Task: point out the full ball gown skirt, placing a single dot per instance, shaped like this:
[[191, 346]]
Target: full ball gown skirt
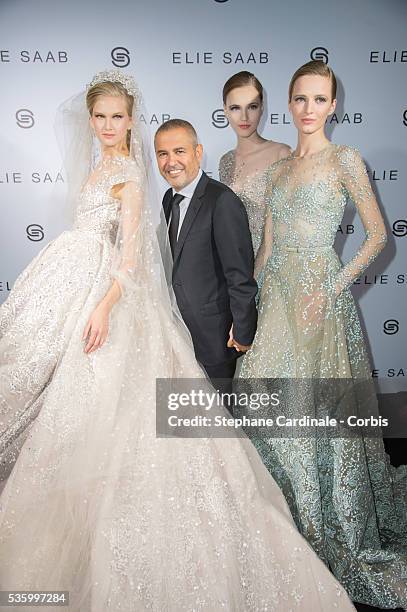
[[96, 504], [345, 497]]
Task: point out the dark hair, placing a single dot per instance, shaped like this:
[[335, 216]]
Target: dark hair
[[317, 67], [242, 79], [172, 124]]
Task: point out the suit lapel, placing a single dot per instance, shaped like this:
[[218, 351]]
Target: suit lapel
[[193, 208], [167, 204]]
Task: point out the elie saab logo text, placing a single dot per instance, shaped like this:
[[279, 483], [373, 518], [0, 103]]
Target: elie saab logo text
[[34, 56], [16, 177], [382, 280], [227, 57], [383, 175], [395, 56], [395, 372], [348, 118]]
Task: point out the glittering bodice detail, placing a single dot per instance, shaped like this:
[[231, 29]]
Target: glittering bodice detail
[[97, 210], [251, 190], [307, 200]]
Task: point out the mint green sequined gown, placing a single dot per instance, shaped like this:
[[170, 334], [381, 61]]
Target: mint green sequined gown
[[345, 497]]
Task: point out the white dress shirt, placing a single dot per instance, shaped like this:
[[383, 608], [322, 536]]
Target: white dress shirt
[[187, 192]]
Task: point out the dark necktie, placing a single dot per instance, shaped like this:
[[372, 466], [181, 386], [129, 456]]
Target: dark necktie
[[174, 223]]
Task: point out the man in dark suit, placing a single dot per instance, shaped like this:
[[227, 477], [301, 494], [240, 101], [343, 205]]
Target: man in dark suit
[[212, 254]]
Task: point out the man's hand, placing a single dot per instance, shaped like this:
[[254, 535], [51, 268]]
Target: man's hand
[[241, 348]]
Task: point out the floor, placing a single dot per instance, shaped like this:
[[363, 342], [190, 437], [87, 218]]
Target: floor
[[395, 447]]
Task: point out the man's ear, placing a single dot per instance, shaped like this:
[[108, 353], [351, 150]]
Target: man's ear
[[199, 151]]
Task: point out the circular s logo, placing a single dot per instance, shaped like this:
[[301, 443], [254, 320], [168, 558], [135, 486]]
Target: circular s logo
[[219, 119], [120, 57], [405, 117], [391, 327], [25, 118], [35, 232], [319, 53], [399, 228]]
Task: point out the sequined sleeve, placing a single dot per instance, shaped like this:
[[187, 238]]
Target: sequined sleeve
[[265, 248], [226, 168], [354, 179], [130, 232], [266, 245]]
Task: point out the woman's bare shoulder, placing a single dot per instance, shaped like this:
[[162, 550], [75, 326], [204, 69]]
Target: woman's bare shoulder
[[277, 151]]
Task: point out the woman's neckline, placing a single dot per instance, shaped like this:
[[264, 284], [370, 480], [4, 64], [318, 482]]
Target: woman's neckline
[[240, 165], [113, 157], [240, 179], [299, 157]]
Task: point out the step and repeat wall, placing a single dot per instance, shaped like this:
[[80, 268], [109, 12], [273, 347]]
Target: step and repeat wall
[[181, 54]]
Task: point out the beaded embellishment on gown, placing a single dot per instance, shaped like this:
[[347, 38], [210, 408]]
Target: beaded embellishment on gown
[[50, 300], [96, 504], [345, 497], [251, 190]]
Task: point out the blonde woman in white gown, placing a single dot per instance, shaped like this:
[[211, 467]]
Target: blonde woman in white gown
[[97, 504]]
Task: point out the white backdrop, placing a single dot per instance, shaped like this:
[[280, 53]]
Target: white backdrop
[[181, 53]]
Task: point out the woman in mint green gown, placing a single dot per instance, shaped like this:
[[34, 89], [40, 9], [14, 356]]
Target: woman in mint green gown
[[346, 498]]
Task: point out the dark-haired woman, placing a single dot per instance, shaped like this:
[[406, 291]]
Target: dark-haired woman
[[244, 169]]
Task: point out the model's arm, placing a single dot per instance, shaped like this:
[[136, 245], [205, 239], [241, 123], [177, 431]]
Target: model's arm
[[354, 178], [266, 244], [224, 170], [235, 250], [265, 247], [124, 264]]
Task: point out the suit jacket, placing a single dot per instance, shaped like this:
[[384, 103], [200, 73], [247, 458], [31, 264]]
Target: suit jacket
[[213, 271]]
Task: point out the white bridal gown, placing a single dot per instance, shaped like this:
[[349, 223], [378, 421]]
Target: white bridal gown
[[96, 504]]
